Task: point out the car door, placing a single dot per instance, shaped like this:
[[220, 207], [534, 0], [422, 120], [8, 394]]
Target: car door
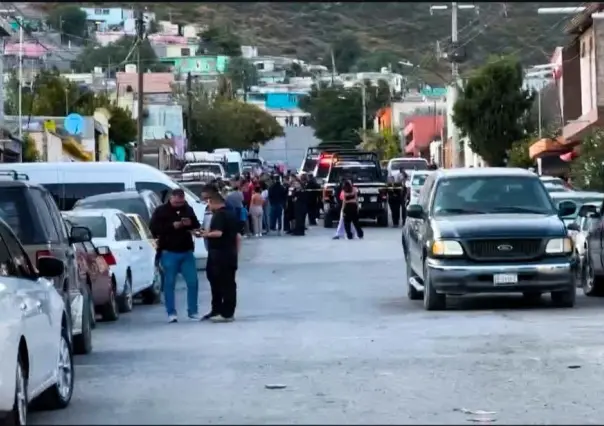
[[417, 227], [139, 279], [32, 296], [122, 245], [594, 243], [63, 250]]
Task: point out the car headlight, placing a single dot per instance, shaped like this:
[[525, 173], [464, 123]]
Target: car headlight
[[446, 248], [559, 246]]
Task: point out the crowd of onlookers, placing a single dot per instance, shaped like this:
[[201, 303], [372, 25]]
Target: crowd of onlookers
[[272, 202]]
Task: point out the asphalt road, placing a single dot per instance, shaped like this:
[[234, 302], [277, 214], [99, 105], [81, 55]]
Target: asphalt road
[[331, 321]]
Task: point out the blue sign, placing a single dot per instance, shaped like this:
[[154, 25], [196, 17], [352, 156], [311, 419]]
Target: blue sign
[[74, 124]]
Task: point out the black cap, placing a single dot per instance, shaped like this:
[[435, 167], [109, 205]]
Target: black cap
[[178, 192]]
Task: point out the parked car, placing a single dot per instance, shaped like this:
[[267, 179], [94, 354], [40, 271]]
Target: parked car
[[579, 230], [487, 230], [416, 181], [33, 215], [35, 329], [142, 202], [94, 273], [131, 258], [576, 199], [70, 182], [555, 184]]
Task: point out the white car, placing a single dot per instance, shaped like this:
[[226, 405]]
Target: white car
[[415, 183], [35, 347], [130, 256], [579, 228]]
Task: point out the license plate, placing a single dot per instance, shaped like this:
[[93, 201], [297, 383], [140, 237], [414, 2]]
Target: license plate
[[373, 199], [505, 279]]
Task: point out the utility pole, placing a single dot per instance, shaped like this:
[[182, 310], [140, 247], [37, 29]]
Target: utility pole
[[189, 110], [20, 78], [364, 109], [453, 92], [333, 68], [140, 32]]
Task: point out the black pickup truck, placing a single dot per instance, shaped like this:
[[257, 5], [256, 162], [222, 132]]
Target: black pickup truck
[[487, 230], [364, 170]]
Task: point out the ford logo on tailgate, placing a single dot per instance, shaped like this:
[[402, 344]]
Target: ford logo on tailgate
[[505, 247]]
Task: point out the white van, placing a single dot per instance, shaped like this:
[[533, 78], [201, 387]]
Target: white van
[[234, 163], [70, 182]]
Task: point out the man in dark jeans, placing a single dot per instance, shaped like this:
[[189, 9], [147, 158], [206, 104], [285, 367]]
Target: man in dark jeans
[[224, 242], [277, 196]]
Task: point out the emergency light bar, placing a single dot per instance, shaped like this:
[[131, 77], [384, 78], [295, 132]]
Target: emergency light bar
[[354, 155]]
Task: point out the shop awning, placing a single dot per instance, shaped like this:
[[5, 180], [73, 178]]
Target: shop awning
[[547, 145]]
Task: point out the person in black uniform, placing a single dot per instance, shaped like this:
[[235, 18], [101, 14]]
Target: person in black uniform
[[313, 195], [288, 215], [299, 208], [404, 196], [351, 210], [224, 242], [395, 201]]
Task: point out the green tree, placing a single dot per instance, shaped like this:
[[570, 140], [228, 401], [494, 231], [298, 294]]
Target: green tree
[[384, 143], [30, 152], [587, 171], [493, 109], [219, 41], [518, 154], [336, 113], [346, 52], [70, 20], [231, 124], [242, 73], [114, 55]]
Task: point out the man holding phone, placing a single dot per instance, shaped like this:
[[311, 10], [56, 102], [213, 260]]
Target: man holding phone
[[172, 224]]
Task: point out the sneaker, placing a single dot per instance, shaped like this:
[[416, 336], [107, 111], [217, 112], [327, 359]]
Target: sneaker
[[209, 316], [220, 318], [172, 319], [336, 238], [195, 317]]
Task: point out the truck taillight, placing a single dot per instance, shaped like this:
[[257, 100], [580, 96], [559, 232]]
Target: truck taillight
[[109, 259]]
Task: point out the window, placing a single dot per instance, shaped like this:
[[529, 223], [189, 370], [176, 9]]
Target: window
[[131, 227], [16, 212], [98, 11], [161, 189], [105, 11], [66, 195], [121, 232], [491, 194], [418, 179], [356, 174], [51, 234], [7, 267], [425, 192], [410, 164], [185, 51], [20, 261], [135, 204], [96, 224], [55, 216]]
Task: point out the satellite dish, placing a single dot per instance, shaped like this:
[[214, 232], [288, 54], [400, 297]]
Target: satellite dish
[[74, 124]]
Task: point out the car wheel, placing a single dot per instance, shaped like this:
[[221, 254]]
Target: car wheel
[[592, 284], [565, 298], [82, 343], [110, 311], [125, 301], [59, 394], [412, 292], [152, 295], [18, 415], [433, 301]]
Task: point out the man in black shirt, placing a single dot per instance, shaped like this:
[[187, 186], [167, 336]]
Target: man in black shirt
[[224, 242], [172, 223]]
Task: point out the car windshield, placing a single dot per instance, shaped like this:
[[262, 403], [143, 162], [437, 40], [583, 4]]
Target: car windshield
[[232, 168], [96, 224], [418, 179], [409, 165], [491, 194], [309, 165], [357, 174], [127, 205]]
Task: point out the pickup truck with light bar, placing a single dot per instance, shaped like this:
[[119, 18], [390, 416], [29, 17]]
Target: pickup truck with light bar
[[487, 230], [363, 169]]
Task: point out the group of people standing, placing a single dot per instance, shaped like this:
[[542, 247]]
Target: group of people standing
[[274, 203]]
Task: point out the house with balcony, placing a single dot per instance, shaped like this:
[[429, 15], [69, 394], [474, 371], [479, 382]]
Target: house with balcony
[[578, 73]]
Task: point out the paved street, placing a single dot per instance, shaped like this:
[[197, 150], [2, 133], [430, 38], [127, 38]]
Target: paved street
[[331, 321]]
